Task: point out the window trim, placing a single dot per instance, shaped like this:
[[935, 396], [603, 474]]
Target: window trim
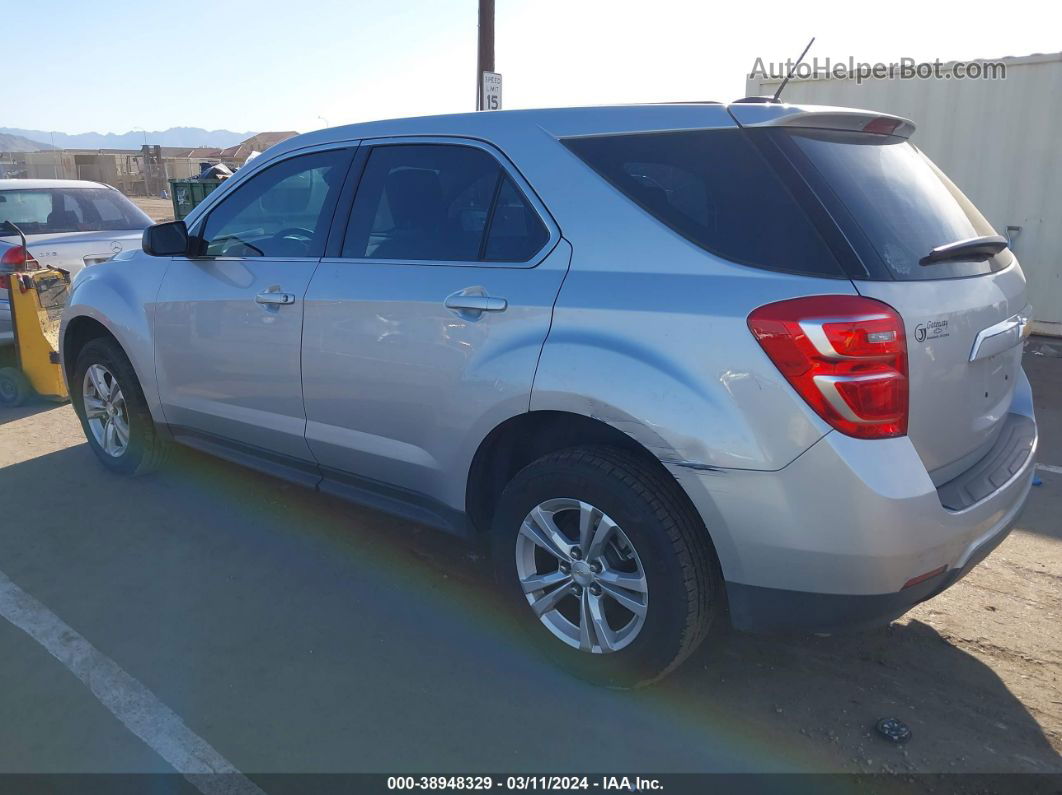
[[351, 147], [346, 205]]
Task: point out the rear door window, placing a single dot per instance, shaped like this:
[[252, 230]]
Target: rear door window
[[716, 189], [440, 203], [891, 201]]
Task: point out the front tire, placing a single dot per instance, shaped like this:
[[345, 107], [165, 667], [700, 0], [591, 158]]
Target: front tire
[[606, 563], [114, 415]]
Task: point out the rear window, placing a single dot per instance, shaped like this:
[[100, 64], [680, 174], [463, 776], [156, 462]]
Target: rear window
[[714, 188], [892, 202], [54, 210]]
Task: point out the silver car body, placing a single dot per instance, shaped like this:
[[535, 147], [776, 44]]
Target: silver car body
[[370, 387]]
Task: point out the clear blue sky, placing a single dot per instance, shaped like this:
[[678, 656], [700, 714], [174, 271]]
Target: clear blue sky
[[111, 66]]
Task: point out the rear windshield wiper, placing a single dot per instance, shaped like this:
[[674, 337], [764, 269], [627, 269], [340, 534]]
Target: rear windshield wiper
[[974, 248]]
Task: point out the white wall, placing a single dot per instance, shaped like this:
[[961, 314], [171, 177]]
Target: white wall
[[999, 140]]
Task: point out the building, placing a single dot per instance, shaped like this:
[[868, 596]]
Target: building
[[998, 141], [232, 156], [135, 172], [256, 143]]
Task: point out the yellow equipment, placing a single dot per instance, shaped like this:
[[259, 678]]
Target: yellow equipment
[[37, 299]]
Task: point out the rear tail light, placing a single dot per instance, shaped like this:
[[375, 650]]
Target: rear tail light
[[18, 258], [846, 356], [882, 125]]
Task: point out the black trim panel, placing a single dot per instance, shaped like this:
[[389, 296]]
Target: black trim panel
[[403, 503], [394, 500], [1000, 464], [304, 473]]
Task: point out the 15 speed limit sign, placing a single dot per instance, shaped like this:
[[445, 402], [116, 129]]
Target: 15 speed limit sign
[[490, 96]]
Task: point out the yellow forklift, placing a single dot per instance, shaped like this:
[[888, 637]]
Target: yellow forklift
[[36, 296]]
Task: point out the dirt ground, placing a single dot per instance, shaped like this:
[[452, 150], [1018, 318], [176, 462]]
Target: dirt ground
[[270, 618], [157, 209]]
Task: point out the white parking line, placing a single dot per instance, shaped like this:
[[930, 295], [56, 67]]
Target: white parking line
[[129, 701], [1050, 468]]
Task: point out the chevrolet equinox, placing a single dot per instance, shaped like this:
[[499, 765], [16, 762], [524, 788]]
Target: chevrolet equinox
[[677, 364]]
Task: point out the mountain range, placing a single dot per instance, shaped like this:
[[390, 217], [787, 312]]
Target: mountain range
[[18, 143], [134, 139]]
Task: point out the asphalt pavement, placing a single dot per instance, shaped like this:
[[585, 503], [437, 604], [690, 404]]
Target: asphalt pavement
[[289, 632]]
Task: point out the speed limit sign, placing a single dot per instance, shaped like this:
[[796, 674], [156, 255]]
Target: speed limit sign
[[490, 96]]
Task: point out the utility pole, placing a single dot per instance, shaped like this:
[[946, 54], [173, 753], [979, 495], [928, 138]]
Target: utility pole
[[144, 162], [485, 59], [58, 158]]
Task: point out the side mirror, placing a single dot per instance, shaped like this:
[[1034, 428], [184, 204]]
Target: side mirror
[[166, 240]]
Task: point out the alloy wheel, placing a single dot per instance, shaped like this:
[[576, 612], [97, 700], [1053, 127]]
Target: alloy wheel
[[581, 575], [105, 410]]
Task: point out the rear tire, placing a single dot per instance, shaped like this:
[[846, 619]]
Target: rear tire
[[114, 415], [15, 389], [647, 582]]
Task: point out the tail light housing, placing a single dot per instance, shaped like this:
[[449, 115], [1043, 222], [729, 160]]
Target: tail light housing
[[17, 258], [845, 355]]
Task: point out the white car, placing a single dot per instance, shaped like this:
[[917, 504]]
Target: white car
[[68, 224]]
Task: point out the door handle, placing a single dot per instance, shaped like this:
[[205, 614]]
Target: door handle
[[476, 303], [998, 338], [274, 297]]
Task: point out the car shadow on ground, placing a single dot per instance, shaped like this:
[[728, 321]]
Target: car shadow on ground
[[834, 690], [204, 539], [32, 407]]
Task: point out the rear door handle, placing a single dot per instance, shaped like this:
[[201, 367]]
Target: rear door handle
[[275, 297], [474, 304], [1000, 337]]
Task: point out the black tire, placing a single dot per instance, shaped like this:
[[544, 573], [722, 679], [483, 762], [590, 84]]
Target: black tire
[[684, 586], [147, 448], [15, 389]]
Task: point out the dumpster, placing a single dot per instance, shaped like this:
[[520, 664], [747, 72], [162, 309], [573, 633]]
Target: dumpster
[[187, 193]]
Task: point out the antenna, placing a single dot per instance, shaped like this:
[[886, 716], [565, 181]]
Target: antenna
[[792, 69]]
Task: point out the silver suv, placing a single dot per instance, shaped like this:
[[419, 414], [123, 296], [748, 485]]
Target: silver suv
[[676, 362]]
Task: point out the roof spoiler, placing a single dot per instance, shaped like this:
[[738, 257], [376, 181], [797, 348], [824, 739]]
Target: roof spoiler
[[774, 115]]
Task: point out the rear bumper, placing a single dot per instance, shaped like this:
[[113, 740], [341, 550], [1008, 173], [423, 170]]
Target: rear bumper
[[774, 610], [830, 540]]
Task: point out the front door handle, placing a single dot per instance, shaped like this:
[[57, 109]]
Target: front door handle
[[472, 305], [275, 297]]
